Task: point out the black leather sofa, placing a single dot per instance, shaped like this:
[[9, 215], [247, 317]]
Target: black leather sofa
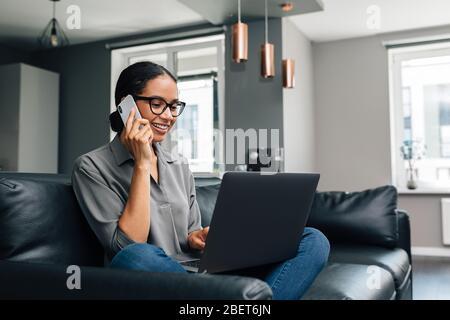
[[42, 232]]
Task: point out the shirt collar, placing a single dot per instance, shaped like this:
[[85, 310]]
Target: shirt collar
[[164, 154], [121, 154]]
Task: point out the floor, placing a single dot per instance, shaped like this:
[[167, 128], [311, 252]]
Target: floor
[[431, 278]]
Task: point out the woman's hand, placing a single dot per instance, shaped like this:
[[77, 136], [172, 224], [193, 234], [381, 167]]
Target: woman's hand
[[196, 239], [137, 138]]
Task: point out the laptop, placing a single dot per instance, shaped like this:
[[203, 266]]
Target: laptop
[[258, 219]]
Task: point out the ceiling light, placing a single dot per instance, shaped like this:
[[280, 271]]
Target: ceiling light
[[267, 52], [53, 35], [288, 67], [287, 6], [240, 39]]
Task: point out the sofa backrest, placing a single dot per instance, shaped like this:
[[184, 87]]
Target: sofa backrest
[[40, 221], [366, 217]]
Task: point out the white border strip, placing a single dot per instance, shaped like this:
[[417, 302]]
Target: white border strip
[[430, 251]]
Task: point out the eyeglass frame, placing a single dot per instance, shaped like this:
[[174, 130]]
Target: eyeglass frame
[[149, 100]]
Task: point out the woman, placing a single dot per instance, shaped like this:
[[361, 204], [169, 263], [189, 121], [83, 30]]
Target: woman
[[140, 199]]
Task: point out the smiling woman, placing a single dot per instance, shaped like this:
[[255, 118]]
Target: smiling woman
[[140, 200], [113, 183]]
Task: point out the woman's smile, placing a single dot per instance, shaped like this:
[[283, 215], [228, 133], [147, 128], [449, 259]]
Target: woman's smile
[[160, 127]]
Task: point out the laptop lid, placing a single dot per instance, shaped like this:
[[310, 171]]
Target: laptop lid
[[258, 219]]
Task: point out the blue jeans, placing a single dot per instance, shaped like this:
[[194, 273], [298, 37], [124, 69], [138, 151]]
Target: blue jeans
[[288, 280]]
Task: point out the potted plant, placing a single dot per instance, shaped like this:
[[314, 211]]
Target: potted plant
[[412, 151]]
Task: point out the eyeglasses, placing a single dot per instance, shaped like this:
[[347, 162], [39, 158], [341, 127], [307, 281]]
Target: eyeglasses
[[158, 105]]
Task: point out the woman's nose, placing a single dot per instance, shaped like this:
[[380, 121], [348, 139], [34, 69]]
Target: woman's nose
[[167, 114]]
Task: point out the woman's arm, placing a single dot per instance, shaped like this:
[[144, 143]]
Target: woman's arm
[[135, 219]]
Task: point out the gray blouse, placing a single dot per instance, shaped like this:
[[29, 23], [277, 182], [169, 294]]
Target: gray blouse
[[101, 180]]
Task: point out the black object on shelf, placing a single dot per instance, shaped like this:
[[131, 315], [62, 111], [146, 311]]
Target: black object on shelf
[[258, 158]]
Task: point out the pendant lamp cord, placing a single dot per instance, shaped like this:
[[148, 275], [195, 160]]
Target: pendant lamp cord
[[239, 10], [265, 22]]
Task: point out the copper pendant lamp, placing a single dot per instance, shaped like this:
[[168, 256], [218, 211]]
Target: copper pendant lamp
[[267, 53], [288, 66], [240, 39]]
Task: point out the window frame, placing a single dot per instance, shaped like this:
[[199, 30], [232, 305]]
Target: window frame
[[120, 59], [395, 58]]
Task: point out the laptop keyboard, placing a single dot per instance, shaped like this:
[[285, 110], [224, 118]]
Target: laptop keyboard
[[191, 263]]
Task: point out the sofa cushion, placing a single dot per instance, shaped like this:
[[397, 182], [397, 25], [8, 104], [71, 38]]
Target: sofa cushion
[[395, 260], [206, 199], [341, 281], [40, 221], [366, 217]]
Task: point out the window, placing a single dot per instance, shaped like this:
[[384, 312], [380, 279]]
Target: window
[[420, 112], [199, 66]]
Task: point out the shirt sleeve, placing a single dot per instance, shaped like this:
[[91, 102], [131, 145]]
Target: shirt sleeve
[[102, 208], [195, 222]]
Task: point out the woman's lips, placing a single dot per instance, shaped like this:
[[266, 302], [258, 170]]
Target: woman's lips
[[161, 128]]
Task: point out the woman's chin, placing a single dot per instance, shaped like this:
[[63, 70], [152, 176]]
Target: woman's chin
[[157, 137]]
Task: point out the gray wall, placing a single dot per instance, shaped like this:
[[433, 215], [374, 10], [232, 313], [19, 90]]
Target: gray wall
[[298, 103], [11, 55], [352, 124], [84, 98], [250, 100], [9, 123]]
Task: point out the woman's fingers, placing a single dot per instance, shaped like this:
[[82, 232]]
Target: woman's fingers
[[196, 242], [142, 131], [144, 135], [199, 244], [135, 127], [204, 233], [148, 136]]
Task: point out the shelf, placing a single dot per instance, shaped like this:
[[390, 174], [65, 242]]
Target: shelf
[[424, 191]]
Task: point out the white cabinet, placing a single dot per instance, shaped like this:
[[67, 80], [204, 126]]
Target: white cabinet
[[29, 109]]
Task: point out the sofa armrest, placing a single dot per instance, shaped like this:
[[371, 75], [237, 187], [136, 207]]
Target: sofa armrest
[[404, 232], [20, 280]]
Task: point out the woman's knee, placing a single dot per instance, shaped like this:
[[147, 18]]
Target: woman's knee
[[318, 245], [143, 249], [136, 253]]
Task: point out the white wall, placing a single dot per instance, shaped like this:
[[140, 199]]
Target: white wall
[[352, 125], [38, 120], [352, 114], [29, 119], [298, 102]]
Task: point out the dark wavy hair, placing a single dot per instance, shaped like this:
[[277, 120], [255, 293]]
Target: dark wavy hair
[[132, 80]]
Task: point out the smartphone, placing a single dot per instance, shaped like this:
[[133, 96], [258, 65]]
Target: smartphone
[[125, 107]]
